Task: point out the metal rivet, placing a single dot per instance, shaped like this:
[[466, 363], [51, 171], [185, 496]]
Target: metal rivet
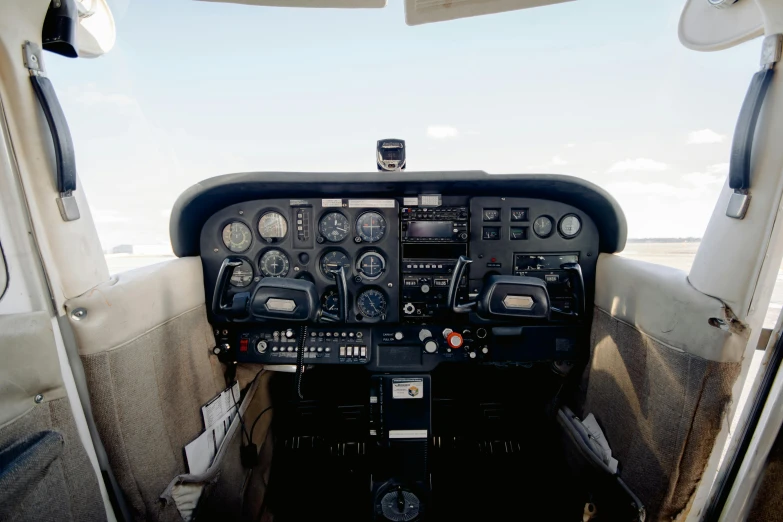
[[296, 269], [241, 212], [79, 314], [39, 398], [216, 250], [391, 285]]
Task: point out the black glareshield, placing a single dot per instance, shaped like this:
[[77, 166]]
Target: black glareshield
[[390, 155]]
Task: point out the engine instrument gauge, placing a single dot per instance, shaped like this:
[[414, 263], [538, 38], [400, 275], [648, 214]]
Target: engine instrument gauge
[[570, 226], [371, 303], [371, 227], [272, 226], [330, 301], [371, 265], [237, 236], [334, 227], [274, 263], [242, 275], [543, 226], [332, 261]]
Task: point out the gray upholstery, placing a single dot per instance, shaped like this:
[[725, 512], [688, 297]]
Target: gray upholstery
[[61, 484], [660, 409], [146, 397]]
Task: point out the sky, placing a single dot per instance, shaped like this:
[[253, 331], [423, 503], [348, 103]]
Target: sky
[[598, 89]]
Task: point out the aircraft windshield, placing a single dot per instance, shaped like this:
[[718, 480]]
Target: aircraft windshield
[[599, 89]]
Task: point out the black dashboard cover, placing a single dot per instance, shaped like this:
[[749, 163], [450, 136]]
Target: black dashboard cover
[[199, 202]]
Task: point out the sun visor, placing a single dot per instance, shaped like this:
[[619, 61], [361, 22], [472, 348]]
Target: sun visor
[[704, 27], [325, 4], [96, 32], [419, 12]]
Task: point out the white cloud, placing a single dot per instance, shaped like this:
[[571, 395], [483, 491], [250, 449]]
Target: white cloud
[[442, 132], [557, 160], [705, 136], [714, 174], [571, 145], [639, 165]]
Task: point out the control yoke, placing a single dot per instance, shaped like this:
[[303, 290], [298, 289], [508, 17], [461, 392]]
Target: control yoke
[[238, 305], [459, 271], [514, 296]]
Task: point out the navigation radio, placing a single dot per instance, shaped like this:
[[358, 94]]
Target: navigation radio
[[433, 239], [435, 225]]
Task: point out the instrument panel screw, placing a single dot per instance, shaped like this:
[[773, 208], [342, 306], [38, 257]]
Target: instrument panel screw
[[79, 314], [215, 250], [241, 212], [38, 399], [296, 269], [391, 285]]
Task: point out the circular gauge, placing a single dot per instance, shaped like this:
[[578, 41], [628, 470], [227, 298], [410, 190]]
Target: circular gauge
[[371, 265], [237, 236], [371, 227], [332, 261], [371, 303], [274, 263], [330, 301], [570, 226], [543, 226], [334, 227], [242, 275], [272, 226]]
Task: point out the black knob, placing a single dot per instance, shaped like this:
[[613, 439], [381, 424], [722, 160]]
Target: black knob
[[463, 235]]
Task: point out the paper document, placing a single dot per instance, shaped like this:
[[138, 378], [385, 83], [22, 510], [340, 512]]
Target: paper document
[[225, 402], [218, 415]]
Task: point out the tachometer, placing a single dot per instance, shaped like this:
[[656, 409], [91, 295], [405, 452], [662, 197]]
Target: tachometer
[[242, 275], [371, 265], [371, 303], [334, 227], [272, 226], [332, 261], [274, 263], [371, 227], [237, 236]]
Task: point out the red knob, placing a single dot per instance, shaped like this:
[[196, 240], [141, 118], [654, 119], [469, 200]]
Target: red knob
[[454, 340]]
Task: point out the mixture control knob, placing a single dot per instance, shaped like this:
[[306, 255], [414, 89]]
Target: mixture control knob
[[472, 355], [454, 340], [289, 333], [430, 346], [424, 335], [425, 289], [261, 346]]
